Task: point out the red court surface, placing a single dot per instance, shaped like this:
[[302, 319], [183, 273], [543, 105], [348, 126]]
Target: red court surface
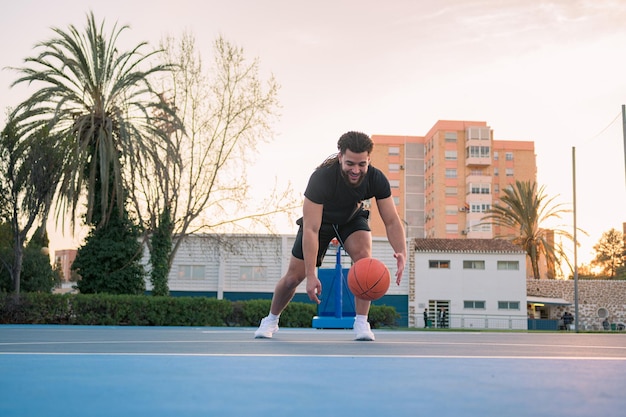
[[191, 371]]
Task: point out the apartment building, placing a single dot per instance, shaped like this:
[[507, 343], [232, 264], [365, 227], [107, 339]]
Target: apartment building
[[444, 181], [64, 259]]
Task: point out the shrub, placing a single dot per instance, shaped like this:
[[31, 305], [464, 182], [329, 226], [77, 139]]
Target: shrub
[[383, 316], [141, 310]]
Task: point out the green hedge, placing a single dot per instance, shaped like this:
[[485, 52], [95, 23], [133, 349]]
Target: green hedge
[[133, 310]]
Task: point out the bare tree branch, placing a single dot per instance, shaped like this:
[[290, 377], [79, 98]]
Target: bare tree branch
[[227, 112]]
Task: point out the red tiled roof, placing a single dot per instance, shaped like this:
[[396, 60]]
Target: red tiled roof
[[466, 245]]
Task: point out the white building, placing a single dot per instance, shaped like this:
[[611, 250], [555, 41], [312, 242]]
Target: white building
[[483, 285], [476, 283]]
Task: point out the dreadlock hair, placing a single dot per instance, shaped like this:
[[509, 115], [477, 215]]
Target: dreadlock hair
[[332, 159], [357, 142]]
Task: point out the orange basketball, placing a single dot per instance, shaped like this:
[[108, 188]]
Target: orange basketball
[[369, 279]]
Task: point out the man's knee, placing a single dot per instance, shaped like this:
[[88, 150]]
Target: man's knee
[[359, 245], [295, 274]]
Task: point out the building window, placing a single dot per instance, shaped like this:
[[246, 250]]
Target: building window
[[473, 264], [252, 273], [394, 167], [452, 227], [394, 150], [451, 191], [509, 156], [480, 208], [508, 265], [480, 227], [396, 200], [451, 173], [475, 132], [474, 305], [451, 210], [451, 156], [450, 136], [508, 305], [495, 155], [195, 272], [480, 189], [509, 172], [496, 172], [439, 264], [394, 183], [478, 152]]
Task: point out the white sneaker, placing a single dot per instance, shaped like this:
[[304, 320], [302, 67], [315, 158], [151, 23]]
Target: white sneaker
[[266, 329], [363, 331]]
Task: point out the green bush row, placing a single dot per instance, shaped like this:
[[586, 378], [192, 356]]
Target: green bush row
[[133, 310]]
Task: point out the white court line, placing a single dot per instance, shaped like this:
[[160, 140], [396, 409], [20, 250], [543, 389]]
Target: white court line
[[115, 342], [275, 355], [308, 342]]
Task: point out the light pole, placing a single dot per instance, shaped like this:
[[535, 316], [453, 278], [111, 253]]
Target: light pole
[[624, 133], [575, 242]]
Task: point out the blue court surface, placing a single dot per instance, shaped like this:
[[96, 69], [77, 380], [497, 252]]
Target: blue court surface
[[179, 371]]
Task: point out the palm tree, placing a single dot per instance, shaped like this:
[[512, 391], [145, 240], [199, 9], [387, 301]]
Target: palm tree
[[523, 209], [610, 252], [100, 103]]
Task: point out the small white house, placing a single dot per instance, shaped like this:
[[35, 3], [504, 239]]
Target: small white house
[[468, 283]]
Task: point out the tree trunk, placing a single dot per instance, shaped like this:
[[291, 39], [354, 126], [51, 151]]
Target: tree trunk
[[161, 249], [16, 270]]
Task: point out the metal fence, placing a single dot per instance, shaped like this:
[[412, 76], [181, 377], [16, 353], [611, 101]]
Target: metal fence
[[475, 321]]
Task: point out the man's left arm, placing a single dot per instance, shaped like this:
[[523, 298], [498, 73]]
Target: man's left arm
[[395, 232]]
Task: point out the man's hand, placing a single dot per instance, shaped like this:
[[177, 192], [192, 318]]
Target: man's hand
[[400, 259], [313, 288]]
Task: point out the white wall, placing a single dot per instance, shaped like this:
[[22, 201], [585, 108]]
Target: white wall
[[224, 257], [456, 285]]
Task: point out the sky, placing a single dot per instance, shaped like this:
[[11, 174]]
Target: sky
[[551, 72]]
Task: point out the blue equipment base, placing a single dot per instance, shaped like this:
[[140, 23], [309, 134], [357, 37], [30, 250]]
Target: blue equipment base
[[331, 322], [332, 312]]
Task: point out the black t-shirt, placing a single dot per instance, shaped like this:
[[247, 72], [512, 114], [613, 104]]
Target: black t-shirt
[[341, 201]]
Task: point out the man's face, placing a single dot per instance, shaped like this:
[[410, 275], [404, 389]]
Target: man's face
[[354, 167]]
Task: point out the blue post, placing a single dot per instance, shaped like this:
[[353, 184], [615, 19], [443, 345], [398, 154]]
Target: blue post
[[333, 319], [338, 286]]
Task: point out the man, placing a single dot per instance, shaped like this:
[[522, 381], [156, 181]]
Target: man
[[442, 318], [567, 320], [333, 207]]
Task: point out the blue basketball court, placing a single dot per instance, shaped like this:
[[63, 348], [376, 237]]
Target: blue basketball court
[[173, 371]]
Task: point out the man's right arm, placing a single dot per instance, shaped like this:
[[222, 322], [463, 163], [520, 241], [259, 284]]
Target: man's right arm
[[311, 223]]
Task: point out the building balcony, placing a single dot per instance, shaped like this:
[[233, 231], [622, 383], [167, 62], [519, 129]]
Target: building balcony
[[477, 161], [478, 179]]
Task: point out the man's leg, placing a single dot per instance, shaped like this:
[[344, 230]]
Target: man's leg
[[283, 293], [359, 246], [286, 287]]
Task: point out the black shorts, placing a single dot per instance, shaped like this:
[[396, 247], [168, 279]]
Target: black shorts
[[327, 232]]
